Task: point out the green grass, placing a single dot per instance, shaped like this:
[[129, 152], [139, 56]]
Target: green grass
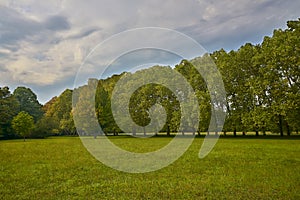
[[237, 168]]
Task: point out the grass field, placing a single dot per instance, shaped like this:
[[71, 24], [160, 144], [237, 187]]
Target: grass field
[[237, 168]]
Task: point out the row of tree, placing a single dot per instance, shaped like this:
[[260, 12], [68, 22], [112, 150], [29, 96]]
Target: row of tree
[[262, 84], [18, 107], [22, 115]]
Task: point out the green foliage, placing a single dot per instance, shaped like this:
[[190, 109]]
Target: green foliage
[[84, 108], [262, 83], [8, 109], [28, 102], [279, 75], [58, 114], [46, 126], [23, 124], [103, 105]]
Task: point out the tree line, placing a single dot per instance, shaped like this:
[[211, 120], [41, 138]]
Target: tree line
[[262, 94], [22, 115]]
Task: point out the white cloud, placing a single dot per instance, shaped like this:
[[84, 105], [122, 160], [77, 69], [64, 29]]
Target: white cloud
[[35, 9]]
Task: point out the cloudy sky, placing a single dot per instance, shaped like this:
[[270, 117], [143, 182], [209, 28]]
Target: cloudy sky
[[43, 43]]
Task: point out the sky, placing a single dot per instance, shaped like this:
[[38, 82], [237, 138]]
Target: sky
[[44, 43]]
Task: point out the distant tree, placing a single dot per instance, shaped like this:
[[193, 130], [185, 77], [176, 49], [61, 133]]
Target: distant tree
[[103, 109], [28, 102], [47, 106], [8, 109], [23, 124], [84, 109], [44, 127], [194, 78], [58, 111]]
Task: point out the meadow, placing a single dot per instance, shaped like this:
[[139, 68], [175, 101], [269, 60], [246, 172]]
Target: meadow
[[237, 168]]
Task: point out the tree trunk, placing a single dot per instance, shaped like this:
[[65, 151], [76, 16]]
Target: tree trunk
[[288, 129], [182, 132], [224, 133], [256, 130], [168, 130], [24, 139], [280, 125], [234, 132], [133, 130], [244, 133], [144, 128]]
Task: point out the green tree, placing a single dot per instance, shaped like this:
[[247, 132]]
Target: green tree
[[8, 109], [44, 127], [194, 78], [103, 106], [28, 102], [23, 124], [59, 113], [278, 84], [84, 110]]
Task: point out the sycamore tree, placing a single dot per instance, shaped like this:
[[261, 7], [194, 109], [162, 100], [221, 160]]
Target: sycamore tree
[[279, 83], [195, 79], [23, 124]]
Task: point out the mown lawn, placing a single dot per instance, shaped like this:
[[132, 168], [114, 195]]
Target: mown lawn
[[237, 168]]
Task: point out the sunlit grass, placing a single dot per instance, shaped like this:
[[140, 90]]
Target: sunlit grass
[[239, 168]]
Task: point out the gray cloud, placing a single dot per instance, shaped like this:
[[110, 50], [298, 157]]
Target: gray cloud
[[84, 33], [57, 23], [229, 25], [14, 26]]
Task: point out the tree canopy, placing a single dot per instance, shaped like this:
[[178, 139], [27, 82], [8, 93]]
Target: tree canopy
[[28, 102], [8, 109], [23, 124]]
